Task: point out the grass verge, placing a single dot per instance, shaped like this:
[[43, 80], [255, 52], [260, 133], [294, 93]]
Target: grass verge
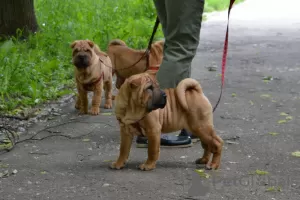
[[40, 69]]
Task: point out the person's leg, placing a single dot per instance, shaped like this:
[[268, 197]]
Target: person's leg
[[181, 41], [161, 13], [182, 32], [181, 23]]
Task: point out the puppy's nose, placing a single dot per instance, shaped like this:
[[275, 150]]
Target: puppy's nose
[[163, 94], [81, 57]]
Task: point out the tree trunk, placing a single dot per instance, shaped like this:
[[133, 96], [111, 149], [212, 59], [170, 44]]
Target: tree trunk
[[17, 14]]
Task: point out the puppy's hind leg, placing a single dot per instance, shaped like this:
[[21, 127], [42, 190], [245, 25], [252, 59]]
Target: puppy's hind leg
[[212, 144], [108, 94], [206, 154], [217, 145]]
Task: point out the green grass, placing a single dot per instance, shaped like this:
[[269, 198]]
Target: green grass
[[40, 69], [217, 5]]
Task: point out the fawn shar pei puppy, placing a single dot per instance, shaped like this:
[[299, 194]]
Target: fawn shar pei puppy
[[93, 72], [127, 61], [142, 107]]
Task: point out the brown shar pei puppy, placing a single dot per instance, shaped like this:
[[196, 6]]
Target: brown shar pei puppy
[[93, 72], [125, 59], [142, 107]]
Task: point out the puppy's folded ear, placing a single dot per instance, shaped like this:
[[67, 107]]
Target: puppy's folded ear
[[122, 101], [73, 44], [135, 83], [90, 43]]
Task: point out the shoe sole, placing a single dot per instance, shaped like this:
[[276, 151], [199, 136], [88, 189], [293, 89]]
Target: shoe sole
[[195, 140], [175, 146]]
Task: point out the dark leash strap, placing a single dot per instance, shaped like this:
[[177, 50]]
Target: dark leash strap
[[150, 42], [224, 58], [148, 50], [88, 85]]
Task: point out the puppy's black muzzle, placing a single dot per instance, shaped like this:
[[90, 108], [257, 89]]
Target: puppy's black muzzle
[[81, 61], [158, 100]]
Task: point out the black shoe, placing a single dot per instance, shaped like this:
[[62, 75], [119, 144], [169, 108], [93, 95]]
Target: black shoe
[[186, 133], [166, 141]]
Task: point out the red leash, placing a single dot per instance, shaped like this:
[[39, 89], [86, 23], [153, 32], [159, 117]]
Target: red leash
[[224, 58]]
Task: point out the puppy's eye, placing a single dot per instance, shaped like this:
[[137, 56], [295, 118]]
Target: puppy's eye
[[150, 87]]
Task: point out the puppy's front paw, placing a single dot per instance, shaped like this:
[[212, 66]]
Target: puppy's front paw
[[108, 104], [116, 165], [147, 167], [77, 106], [202, 161], [83, 111], [212, 166], [95, 111]]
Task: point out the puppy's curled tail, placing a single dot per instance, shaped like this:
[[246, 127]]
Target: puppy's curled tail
[[183, 86], [117, 42]]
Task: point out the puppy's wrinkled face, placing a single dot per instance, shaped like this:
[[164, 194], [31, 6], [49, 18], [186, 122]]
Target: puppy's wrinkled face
[[139, 95], [82, 53], [146, 93]]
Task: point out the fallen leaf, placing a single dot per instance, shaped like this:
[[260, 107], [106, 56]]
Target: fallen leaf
[[202, 173], [6, 145], [105, 185], [270, 189], [251, 102], [283, 114], [289, 118], [231, 142], [86, 140], [273, 189], [273, 101], [4, 165], [233, 94], [260, 172], [282, 121], [273, 133], [43, 172], [268, 78], [296, 154], [4, 174], [265, 96], [106, 113]]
